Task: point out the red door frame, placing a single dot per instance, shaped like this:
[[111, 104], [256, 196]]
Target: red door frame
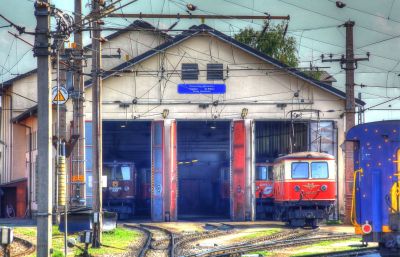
[[238, 181]]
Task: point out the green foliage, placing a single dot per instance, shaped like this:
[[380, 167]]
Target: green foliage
[[114, 242], [333, 222], [29, 232], [273, 43], [261, 233], [327, 246], [263, 253], [315, 74]]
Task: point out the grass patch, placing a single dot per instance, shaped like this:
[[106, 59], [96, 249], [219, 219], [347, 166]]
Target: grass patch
[[29, 232], [262, 253], [327, 246], [115, 242], [333, 222], [261, 233]]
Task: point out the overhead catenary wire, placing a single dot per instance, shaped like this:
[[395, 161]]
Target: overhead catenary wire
[[348, 6], [335, 18], [371, 72]]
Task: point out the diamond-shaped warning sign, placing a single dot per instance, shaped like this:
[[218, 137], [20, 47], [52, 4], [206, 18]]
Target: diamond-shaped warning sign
[[59, 95]]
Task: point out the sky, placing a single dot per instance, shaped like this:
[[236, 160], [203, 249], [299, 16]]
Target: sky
[[316, 25]]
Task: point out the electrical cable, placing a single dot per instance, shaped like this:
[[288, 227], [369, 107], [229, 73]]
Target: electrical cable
[[369, 13], [334, 18]]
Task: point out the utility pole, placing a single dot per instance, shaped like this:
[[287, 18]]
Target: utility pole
[[97, 125], [78, 124], [349, 64], [42, 52]]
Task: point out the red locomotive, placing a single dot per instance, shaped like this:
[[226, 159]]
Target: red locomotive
[[120, 193], [143, 192], [304, 188], [264, 190]]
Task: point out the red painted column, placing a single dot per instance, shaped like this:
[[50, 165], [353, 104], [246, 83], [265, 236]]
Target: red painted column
[[238, 181]]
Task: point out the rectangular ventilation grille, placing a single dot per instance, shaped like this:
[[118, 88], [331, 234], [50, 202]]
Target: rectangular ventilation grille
[[190, 71], [215, 71]]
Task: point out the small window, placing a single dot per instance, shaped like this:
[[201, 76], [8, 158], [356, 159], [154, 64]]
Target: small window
[[319, 170], [215, 71], [123, 173], [262, 173], [300, 170], [190, 71]]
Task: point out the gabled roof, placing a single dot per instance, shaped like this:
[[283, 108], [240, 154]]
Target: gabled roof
[[26, 114], [159, 49], [194, 30], [21, 76], [136, 25]]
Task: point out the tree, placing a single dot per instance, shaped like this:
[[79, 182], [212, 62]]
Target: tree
[[273, 43]]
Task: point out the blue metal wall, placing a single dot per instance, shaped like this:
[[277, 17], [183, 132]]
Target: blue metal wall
[[376, 145]]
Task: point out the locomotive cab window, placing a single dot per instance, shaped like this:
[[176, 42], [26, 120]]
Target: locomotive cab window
[[123, 173], [319, 170], [264, 173], [299, 170]]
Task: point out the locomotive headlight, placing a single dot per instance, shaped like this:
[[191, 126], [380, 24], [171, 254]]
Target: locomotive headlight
[[324, 187], [297, 188], [126, 188]]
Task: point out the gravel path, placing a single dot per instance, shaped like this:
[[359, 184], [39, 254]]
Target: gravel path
[[19, 247]]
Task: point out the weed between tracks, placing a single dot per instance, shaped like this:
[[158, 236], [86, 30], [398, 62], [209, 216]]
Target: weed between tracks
[[320, 247], [115, 242], [261, 233]]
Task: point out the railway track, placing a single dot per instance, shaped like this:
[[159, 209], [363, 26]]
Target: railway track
[[348, 253], [214, 231], [158, 241], [20, 247], [293, 240]]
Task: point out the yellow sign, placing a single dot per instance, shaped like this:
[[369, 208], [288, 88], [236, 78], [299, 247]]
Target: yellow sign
[[78, 178], [59, 95]]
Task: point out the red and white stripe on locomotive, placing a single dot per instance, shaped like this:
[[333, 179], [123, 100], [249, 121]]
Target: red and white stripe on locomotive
[[304, 187]]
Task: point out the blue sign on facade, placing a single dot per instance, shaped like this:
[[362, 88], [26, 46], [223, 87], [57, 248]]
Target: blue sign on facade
[[201, 88]]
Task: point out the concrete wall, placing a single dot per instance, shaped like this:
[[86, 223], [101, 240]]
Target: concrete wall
[[19, 143], [6, 138], [24, 94]]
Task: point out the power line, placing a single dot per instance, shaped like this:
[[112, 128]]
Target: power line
[[387, 101], [334, 18], [369, 13]]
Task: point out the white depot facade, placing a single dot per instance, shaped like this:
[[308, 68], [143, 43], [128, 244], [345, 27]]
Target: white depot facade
[[184, 84]]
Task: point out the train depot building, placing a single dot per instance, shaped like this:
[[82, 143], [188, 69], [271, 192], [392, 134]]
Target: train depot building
[[186, 121]]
